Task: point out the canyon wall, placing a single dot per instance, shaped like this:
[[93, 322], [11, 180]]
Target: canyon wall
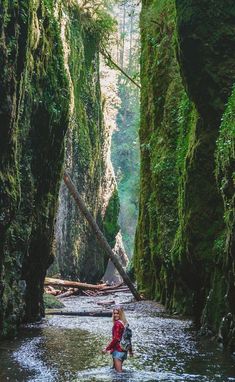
[[184, 251], [78, 254], [49, 99]]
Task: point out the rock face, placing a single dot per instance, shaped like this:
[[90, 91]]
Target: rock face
[[225, 174], [79, 255], [49, 85], [185, 234], [33, 120]]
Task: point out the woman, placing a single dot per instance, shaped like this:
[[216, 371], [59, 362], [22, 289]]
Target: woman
[[119, 322]]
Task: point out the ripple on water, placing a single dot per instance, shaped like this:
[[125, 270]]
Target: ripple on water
[[108, 375], [29, 357], [67, 349]]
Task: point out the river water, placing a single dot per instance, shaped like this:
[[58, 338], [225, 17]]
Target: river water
[[68, 349]]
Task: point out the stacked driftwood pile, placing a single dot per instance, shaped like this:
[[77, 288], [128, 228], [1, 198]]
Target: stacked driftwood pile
[[66, 288]]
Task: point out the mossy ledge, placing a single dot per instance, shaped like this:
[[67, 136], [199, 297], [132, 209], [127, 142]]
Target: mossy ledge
[[183, 242]]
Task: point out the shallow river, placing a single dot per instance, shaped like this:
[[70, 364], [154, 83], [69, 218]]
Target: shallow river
[[68, 349]]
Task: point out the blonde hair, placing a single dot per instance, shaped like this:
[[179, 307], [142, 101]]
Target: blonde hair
[[122, 316]]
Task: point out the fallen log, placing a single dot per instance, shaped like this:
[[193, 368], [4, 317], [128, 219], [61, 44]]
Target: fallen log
[[68, 293], [111, 287], [50, 290], [53, 293], [103, 303], [107, 292], [79, 314], [99, 235], [86, 293], [72, 284], [91, 293]]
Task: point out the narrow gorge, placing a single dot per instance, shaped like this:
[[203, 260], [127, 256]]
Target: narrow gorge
[[69, 101]]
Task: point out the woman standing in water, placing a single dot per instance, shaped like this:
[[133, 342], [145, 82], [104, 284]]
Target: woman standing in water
[[119, 323]]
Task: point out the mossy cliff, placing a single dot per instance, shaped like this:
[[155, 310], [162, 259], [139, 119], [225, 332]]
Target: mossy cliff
[[34, 121], [36, 104], [78, 253], [180, 253], [225, 174]]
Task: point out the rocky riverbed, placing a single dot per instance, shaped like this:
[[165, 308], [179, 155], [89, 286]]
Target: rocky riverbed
[[64, 348]]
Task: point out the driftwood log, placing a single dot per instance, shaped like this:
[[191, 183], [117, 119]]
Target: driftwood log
[[72, 284], [106, 292], [106, 303], [79, 314], [68, 293], [99, 235]]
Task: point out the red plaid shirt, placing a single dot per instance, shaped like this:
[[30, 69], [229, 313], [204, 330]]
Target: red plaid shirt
[[117, 331]]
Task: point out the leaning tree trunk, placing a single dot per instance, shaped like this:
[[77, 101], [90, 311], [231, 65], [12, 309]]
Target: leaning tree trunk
[[99, 235]]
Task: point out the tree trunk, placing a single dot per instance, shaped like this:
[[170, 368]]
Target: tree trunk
[[131, 39], [99, 235], [109, 59], [79, 314], [72, 284]]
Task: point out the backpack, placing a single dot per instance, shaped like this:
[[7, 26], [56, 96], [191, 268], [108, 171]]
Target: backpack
[[125, 341]]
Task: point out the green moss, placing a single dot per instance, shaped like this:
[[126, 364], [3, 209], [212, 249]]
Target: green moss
[[184, 240], [225, 164], [78, 252], [225, 160], [84, 140], [207, 73], [51, 302], [110, 222], [205, 59], [215, 306], [160, 126], [35, 121]]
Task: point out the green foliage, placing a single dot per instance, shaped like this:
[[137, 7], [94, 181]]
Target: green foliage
[[110, 222], [97, 19], [79, 254], [131, 270], [105, 25], [225, 175], [225, 156], [34, 133], [158, 133], [184, 245], [51, 302]]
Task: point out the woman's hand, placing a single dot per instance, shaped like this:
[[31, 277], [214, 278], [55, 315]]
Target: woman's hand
[[104, 351], [131, 354]]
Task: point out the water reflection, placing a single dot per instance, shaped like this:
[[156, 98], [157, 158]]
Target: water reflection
[[68, 349], [134, 375]]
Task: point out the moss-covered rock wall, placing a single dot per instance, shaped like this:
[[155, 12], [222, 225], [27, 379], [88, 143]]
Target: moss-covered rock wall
[[34, 121], [225, 174], [187, 73], [49, 98], [77, 251]]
